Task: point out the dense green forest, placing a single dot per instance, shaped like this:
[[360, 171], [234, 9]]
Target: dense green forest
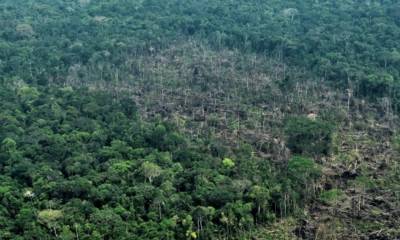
[[167, 119]]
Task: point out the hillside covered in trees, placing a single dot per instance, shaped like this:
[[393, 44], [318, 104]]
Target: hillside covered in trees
[[167, 119]]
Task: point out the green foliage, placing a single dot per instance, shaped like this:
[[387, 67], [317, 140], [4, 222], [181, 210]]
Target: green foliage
[[302, 173], [4, 189], [99, 172], [228, 163], [8, 145], [49, 216], [331, 196], [364, 182], [302, 170], [396, 142], [151, 170], [27, 94], [306, 136], [302, 166]]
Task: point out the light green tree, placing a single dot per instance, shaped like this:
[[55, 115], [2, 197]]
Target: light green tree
[[151, 170], [49, 218]]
